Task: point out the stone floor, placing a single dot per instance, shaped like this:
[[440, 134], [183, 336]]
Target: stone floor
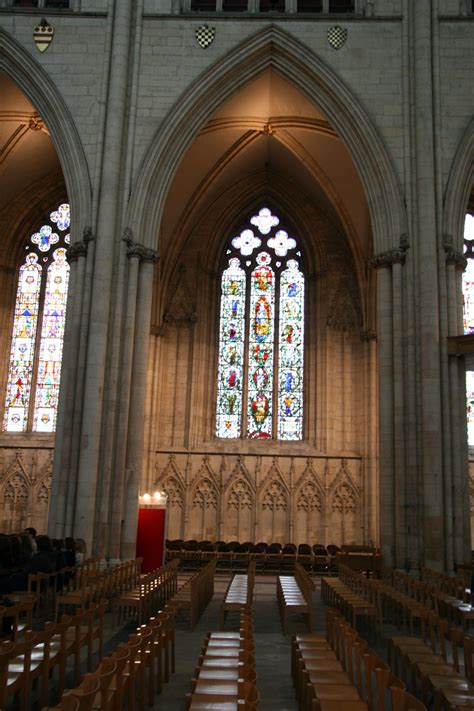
[[272, 647]]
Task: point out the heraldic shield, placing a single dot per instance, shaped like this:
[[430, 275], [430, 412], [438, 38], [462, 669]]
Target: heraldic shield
[[205, 35], [43, 35]]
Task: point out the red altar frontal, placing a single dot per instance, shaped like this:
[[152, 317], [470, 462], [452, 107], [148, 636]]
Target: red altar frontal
[[151, 536]]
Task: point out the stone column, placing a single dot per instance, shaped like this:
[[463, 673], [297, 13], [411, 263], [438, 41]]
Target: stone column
[[399, 409], [114, 521], [137, 401], [76, 256], [431, 439], [96, 363], [383, 263], [455, 264]]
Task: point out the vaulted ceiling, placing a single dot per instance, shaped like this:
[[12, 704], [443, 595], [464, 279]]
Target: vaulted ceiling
[[30, 174]]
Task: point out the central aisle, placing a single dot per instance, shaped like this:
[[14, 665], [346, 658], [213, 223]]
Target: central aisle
[[272, 647]]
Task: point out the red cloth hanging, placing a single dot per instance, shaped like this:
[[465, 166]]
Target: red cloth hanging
[[151, 537]]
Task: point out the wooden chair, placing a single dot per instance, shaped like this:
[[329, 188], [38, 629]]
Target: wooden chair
[[46, 653], [86, 692], [119, 686], [15, 672], [328, 705], [20, 616], [403, 701], [245, 692], [105, 698], [67, 703]]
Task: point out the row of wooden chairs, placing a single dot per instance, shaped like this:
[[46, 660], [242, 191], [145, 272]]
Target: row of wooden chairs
[[408, 598], [456, 586], [353, 600], [133, 674], [89, 584], [269, 557], [239, 594], [196, 593], [225, 677], [150, 593], [37, 654], [337, 672], [437, 660], [295, 595]]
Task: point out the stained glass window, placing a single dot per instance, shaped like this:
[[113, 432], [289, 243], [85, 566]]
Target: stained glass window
[[261, 334], [40, 309], [231, 349], [290, 398], [468, 296], [261, 346]]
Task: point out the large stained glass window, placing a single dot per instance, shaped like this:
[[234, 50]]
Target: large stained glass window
[[468, 295], [38, 329], [261, 334]]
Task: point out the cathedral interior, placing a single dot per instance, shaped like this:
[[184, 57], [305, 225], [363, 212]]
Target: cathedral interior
[[144, 387]]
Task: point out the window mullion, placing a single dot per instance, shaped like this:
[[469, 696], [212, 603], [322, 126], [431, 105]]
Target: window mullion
[[246, 368], [276, 356]]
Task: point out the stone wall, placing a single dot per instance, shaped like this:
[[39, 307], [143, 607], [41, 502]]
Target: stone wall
[[262, 498], [25, 485]]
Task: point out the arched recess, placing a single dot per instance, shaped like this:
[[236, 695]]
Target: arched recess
[[38, 86], [275, 48], [458, 189]]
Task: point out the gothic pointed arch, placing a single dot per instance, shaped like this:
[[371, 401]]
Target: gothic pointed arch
[[172, 483], [40, 89], [239, 504], [275, 48], [344, 507], [458, 190], [204, 497]]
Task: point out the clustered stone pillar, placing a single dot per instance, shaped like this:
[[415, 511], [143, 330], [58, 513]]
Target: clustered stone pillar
[[63, 487], [391, 411]]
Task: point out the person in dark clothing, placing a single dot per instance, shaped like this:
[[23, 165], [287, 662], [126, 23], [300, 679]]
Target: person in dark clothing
[[44, 561], [70, 550], [32, 534]]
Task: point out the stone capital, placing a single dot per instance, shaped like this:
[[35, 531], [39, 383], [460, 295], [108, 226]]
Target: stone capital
[[76, 250], [138, 251], [455, 257], [391, 256]]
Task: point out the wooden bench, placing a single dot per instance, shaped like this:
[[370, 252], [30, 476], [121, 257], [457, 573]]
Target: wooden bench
[[239, 594], [294, 595]]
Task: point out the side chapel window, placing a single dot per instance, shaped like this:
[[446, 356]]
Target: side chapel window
[[38, 329], [261, 334], [468, 296]]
